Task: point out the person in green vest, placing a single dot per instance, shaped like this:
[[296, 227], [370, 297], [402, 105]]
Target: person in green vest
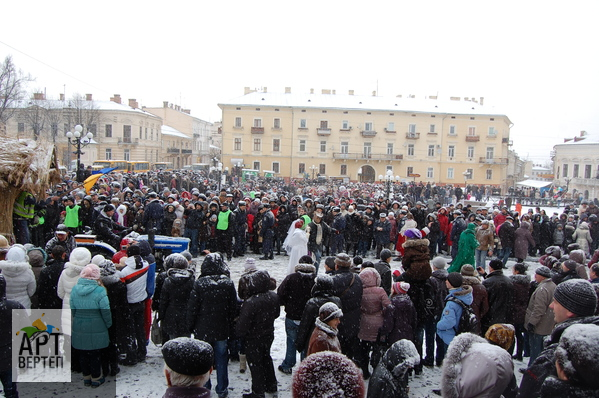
[[71, 219], [22, 214], [224, 230]]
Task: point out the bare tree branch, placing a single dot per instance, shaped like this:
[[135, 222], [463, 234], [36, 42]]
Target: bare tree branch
[[12, 89]]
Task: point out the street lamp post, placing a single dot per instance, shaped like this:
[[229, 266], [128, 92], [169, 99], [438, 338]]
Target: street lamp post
[[388, 179], [80, 141], [313, 168]]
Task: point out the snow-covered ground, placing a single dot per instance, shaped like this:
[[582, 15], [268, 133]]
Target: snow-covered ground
[[147, 379]]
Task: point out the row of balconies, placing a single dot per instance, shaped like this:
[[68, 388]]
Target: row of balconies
[[177, 151], [385, 156]]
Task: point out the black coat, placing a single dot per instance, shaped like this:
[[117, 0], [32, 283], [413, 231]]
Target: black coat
[[47, 286], [348, 287], [173, 302], [6, 313], [326, 231], [212, 305], [521, 289], [103, 228], [310, 314], [295, 290], [122, 332], [258, 312], [384, 270], [500, 291]]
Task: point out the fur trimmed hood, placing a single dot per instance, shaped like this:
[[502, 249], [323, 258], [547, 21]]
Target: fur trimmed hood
[[416, 243], [13, 268]]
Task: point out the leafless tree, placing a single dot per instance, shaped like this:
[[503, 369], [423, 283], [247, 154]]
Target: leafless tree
[[81, 111], [12, 89]]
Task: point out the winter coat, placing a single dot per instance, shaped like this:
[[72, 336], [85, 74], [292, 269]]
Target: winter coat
[[135, 277], [20, 281], [91, 316], [582, 236], [555, 388], [384, 270], [500, 291], [521, 285], [401, 322], [259, 311], [103, 227], [311, 310], [474, 368], [374, 305], [348, 287], [506, 232], [382, 237], [538, 312], [480, 302], [68, 279], [326, 231], [69, 244], [437, 280], [47, 288], [323, 338], [212, 305], [458, 226], [389, 377], [447, 326], [416, 260], [296, 247], [544, 365], [187, 392], [6, 313], [523, 240], [295, 290], [173, 301], [122, 330], [466, 248], [485, 238]]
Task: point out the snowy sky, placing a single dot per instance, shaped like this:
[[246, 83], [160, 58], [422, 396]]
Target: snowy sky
[[535, 61]]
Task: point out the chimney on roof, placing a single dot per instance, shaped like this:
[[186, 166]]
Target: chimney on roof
[[61, 96], [88, 97], [482, 99], [116, 98], [311, 91], [374, 93], [399, 96], [351, 92], [454, 98], [326, 91], [265, 90], [466, 99], [432, 97], [583, 133], [133, 103], [38, 96], [334, 92], [165, 104], [287, 90], [188, 111]]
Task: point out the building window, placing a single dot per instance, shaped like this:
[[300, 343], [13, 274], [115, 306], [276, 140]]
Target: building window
[[93, 129], [256, 166], [238, 122], [429, 172], [303, 124], [389, 148], [324, 124], [152, 134], [587, 171], [257, 144], [450, 173], [470, 152], [323, 146], [391, 126], [471, 130], [412, 128], [237, 145], [322, 169], [368, 126], [469, 174], [127, 155], [565, 167], [127, 134], [54, 129], [410, 149], [108, 131], [276, 145], [431, 150], [345, 125], [257, 122], [302, 168], [409, 171], [344, 147], [343, 170], [302, 145], [451, 151], [489, 174], [492, 131], [490, 152], [431, 129], [140, 132], [575, 171], [367, 149], [277, 123], [108, 154], [146, 133], [21, 127], [452, 130], [276, 166]]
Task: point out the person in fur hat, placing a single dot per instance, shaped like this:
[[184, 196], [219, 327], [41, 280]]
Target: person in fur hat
[[187, 367], [390, 377]]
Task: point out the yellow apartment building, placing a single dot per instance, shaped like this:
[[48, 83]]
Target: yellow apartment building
[[359, 138]]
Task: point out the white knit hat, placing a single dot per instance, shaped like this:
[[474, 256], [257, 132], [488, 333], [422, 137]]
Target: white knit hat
[[80, 256]]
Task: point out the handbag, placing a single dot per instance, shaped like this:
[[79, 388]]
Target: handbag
[[156, 333]]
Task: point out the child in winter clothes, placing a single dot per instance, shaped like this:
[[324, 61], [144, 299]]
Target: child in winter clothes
[[401, 324], [447, 327], [324, 336]]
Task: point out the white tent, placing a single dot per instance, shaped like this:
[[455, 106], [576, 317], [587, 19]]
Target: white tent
[[534, 183]]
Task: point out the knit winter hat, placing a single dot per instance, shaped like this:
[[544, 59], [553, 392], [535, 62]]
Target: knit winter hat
[[543, 271], [91, 271], [468, 270], [249, 265], [107, 268], [455, 279], [412, 233], [577, 353], [577, 296], [37, 256], [133, 250], [98, 259], [189, 357], [401, 287], [329, 311], [80, 256], [439, 262], [16, 254], [571, 264]]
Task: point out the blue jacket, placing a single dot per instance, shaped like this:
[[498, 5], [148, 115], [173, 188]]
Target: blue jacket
[[90, 310], [450, 319]]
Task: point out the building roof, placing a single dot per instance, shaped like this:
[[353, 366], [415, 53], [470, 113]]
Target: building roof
[[99, 105], [374, 103], [168, 130]]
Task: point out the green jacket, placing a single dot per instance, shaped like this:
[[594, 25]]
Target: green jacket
[[466, 249], [90, 310]]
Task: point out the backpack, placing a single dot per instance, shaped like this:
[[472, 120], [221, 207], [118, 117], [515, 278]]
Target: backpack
[[468, 321]]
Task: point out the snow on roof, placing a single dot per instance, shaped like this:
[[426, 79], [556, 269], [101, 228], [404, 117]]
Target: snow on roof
[[94, 104], [588, 139], [336, 101], [534, 183], [168, 130]]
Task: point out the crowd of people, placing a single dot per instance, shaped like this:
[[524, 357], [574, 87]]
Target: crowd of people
[[445, 302]]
